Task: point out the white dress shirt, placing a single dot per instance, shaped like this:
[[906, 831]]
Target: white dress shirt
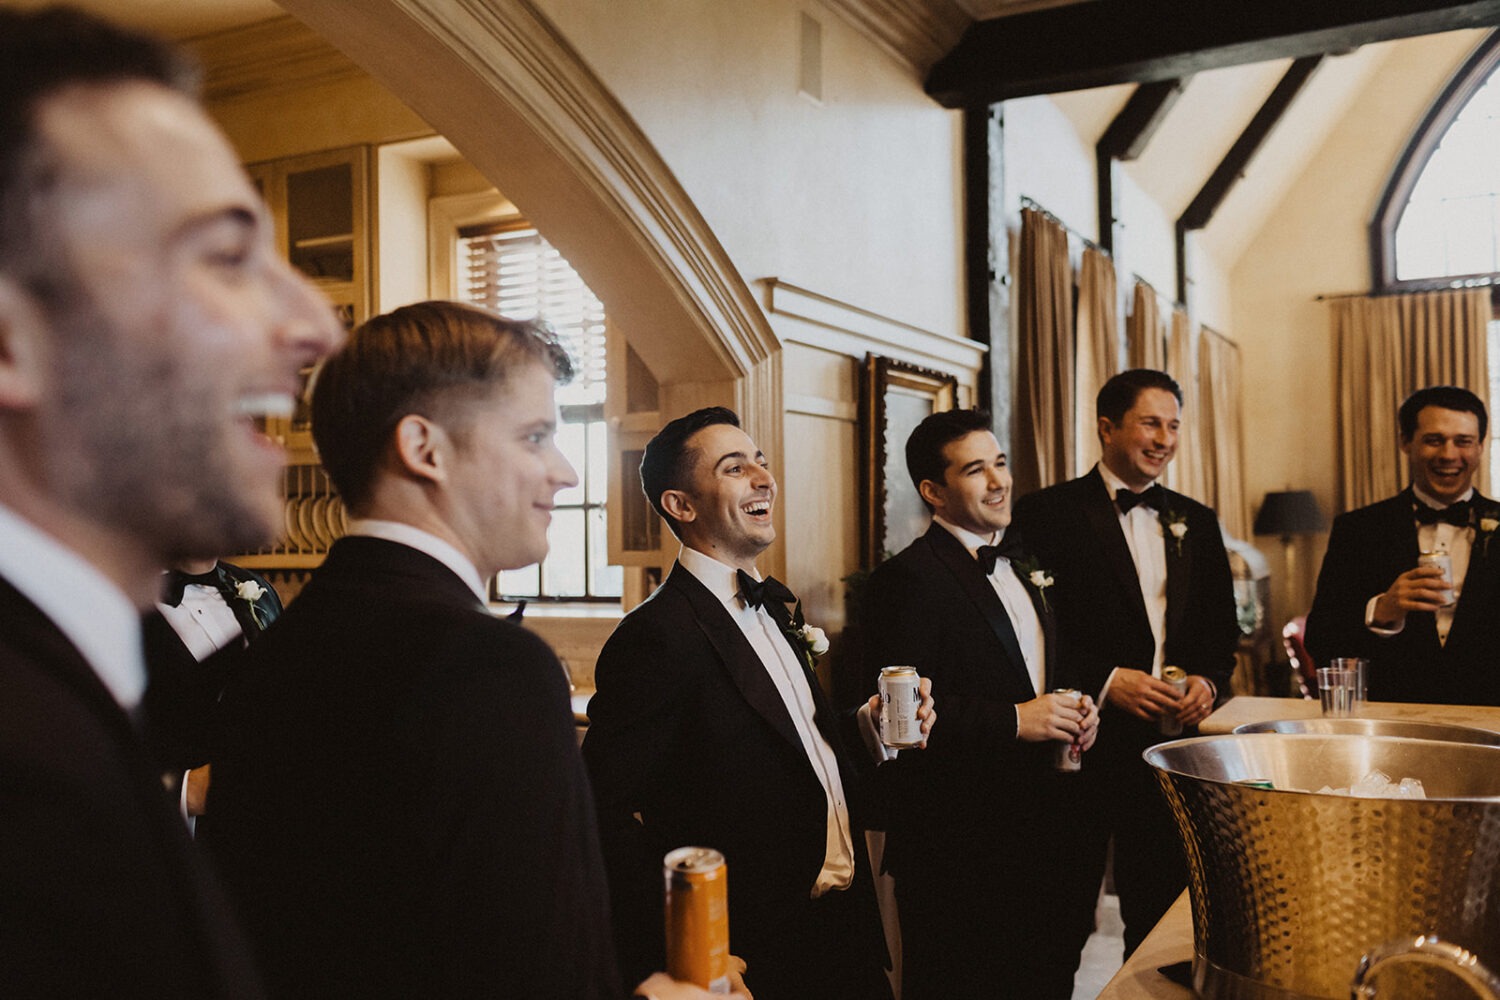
[[1457, 541], [86, 606], [204, 621], [1148, 550], [1017, 602], [427, 542], [790, 677]]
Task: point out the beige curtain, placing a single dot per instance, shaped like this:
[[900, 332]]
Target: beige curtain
[[1221, 431], [1043, 446], [1185, 474], [1387, 348], [1098, 350], [1144, 333]]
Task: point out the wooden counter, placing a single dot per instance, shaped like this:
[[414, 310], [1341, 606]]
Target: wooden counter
[[1171, 941]]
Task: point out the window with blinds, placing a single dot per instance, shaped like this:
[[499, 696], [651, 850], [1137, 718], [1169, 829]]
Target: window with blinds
[[507, 266]]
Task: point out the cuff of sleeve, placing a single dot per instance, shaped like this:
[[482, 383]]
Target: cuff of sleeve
[[1380, 628], [869, 731], [1104, 691]]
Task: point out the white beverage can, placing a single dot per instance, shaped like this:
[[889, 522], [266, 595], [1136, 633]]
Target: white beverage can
[[1177, 677], [1068, 757], [900, 694], [1443, 562]]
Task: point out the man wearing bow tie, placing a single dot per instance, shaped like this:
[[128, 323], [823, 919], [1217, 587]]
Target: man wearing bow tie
[[969, 607], [1142, 581], [709, 728], [1374, 601], [206, 605]]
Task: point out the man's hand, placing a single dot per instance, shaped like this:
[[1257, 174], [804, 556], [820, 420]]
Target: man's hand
[[661, 986], [1421, 589], [926, 710], [197, 790], [1197, 701], [1142, 695], [1057, 717]]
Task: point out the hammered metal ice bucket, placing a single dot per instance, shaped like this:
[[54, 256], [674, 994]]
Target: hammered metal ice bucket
[[1290, 888]]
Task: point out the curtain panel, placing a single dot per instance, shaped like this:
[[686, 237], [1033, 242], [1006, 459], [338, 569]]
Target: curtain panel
[[1222, 431], [1386, 348], [1045, 366], [1185, 474], [1144, 332], [1098, 350]]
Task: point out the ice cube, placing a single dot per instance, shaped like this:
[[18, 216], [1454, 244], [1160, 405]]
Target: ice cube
[[1375, 785]]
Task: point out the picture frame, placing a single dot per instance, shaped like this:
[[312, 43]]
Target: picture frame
[[895, 396]]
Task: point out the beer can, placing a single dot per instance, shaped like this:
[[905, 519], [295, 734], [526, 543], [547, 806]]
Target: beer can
[[1068, 757], [1177, 677], [697, 888], [900, 696], [1443, 562]]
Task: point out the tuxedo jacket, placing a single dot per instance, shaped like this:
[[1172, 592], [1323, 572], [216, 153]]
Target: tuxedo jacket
[[1367, 549], [1074, 529], [179, 703], [101, 891], [932, 607], [400, 806], [689, 743]]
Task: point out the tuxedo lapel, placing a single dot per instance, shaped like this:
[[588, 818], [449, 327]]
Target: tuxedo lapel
[[1043, 607], [740, 660], [1105, 520], [1477, 595], [1179, 552], [966, 570]]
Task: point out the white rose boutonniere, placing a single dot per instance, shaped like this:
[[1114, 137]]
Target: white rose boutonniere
[[1488, 524], [249, 591], [809, 640], [1033, 574], [1175, 524], [815, 639]]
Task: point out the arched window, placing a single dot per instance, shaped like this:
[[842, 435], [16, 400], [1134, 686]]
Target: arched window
[[1438, 224]]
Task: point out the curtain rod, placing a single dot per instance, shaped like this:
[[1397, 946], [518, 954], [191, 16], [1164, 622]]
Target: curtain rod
[[1035, 206], [1457, 286], [1173, 302]]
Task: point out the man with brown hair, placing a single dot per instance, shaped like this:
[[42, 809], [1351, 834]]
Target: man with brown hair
[[145, 321], [399, 804]]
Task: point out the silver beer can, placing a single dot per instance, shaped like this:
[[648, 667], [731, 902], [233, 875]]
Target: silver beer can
[[900, 695], [1177, 677], [1068, 757], [1443, 562]]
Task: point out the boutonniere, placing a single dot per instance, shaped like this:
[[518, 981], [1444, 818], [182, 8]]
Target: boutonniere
[[1174, 523], [1488, 524], [1033, 573], [809, 640], [249, 591]]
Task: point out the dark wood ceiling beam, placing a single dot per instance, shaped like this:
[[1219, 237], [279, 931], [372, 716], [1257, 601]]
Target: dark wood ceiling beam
[[1131, 131], [1104, 42]]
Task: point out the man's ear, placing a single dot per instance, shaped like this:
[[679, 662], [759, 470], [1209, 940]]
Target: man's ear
[[421, 447], [24, 339], [678, 504], [932, 493]]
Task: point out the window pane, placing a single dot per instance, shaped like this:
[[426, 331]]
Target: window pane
[[604, 580], [518, 582], [597, 475], [562, 571], [571, 442]]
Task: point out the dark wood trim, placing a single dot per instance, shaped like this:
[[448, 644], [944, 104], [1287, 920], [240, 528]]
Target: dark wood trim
[[1125, 139], [987, 260], [1413, 161], [1105, 42]]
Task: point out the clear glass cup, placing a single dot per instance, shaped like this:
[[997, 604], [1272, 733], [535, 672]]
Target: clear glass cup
[[1360, 667], [1338, 688]]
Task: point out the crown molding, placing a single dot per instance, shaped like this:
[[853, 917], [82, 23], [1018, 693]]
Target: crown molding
[[916, 32], [269, 57]]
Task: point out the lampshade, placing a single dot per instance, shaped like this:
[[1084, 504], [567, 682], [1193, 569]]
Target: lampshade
[[1293, 512]]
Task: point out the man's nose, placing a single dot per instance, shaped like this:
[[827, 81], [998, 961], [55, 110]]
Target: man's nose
[[306, 322]]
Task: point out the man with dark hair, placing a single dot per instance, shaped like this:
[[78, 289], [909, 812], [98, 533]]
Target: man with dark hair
[[145, 322], [1429, 636], [1142, 582], [967, 606], [399, 805], [710, 729]]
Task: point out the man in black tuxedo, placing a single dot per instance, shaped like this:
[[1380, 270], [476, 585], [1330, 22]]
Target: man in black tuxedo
[[206, 605], [145, 320], [984, 831], [709, 729], [1373, 600], [399, 804], [1142, 582]]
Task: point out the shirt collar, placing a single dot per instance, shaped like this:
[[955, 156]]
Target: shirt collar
[[967, 538], [721, 579], [423, 541], [1468, 494], [95, 615], [1114, 483]]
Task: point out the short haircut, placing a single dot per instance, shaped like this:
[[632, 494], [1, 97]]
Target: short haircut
[[1446, 397], [1119, 394], [42, 54], [924, 448], [429, 359], [667, 463]]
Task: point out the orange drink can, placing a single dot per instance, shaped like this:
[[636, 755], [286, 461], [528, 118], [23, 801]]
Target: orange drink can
[[697, 887]]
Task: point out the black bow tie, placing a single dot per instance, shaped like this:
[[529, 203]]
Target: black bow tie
[[1009, 548], [1456, 514], [1151, 497], [177, 581], [764, 593]]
